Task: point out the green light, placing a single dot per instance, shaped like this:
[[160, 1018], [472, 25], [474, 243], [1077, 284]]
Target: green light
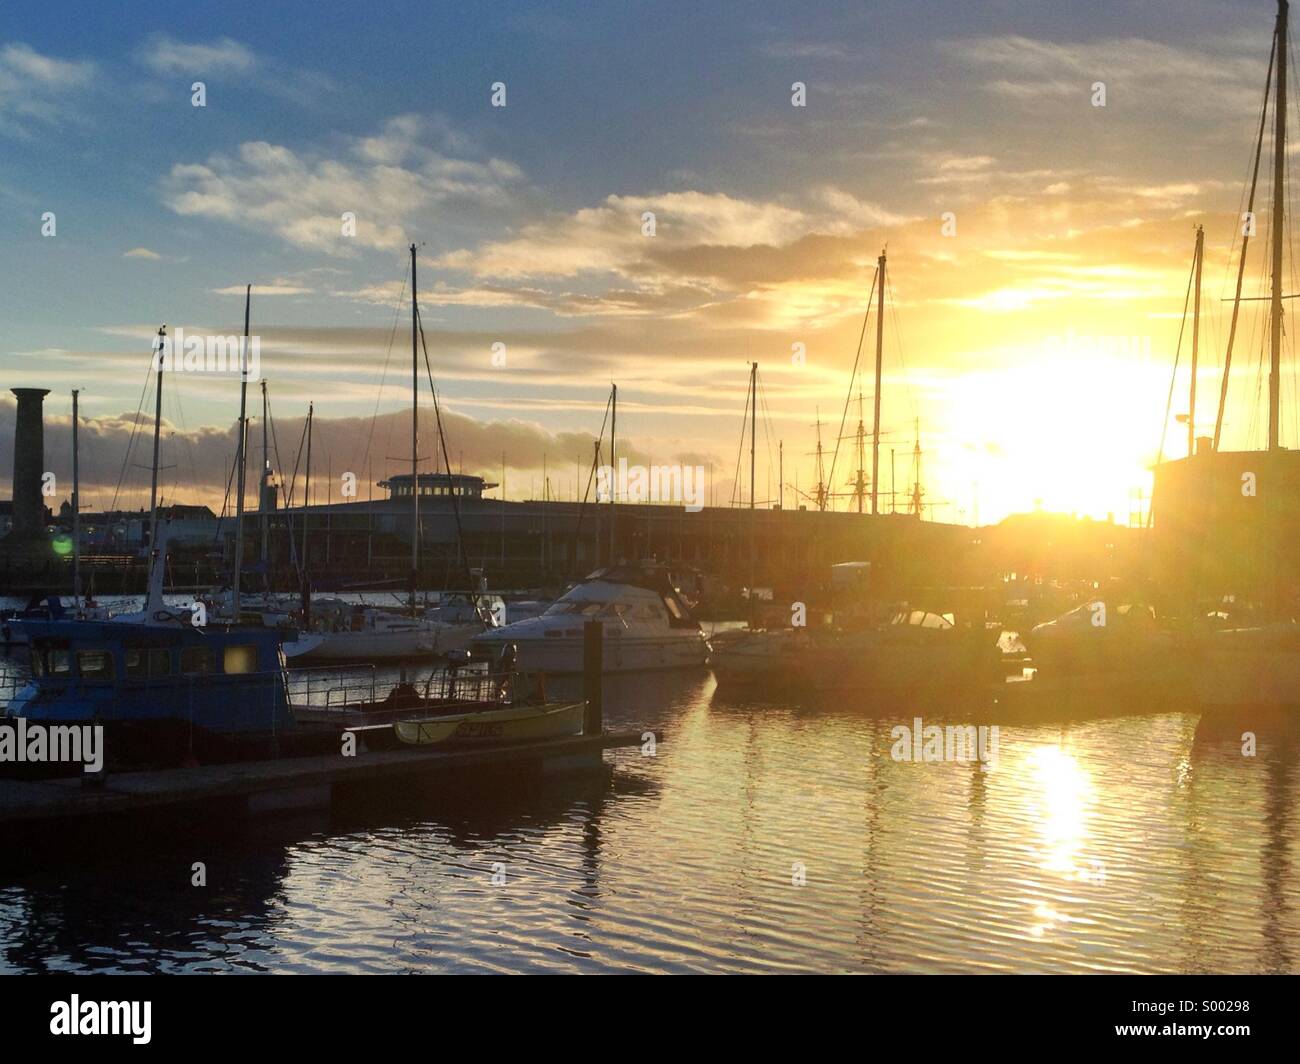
[[62, 545]]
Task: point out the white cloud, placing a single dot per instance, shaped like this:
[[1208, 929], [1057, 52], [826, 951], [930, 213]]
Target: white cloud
[[32, 86], [278, 287], [166, 55], [141, 253], [389, 181], [1161, 76]]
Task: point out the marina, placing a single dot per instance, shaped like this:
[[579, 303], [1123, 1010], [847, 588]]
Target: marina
[[673, 540]]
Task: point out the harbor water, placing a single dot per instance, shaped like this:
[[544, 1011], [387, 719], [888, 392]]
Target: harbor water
[[756, 837]]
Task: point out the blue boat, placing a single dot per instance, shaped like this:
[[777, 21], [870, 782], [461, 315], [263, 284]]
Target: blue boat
[[164, 694], [171, 693]]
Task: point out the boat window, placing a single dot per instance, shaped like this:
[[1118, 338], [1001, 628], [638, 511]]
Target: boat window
[[144, 661], [240, 659], [95, 664], [933, 620], [38, 662], [195, 660], [60, 661]]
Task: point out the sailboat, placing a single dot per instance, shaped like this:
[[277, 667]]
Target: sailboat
[[1258, 664], [352, 632], [868, 646]]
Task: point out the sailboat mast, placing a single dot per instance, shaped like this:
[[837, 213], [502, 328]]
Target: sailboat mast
[[1278, 225], [76, 509], [753, 529], [859, 483], [753, 426], [266, 477], [613, 465], [157, 435], [306, 488], [415, 434], [241, 456], [1196, 341], [880, 351]]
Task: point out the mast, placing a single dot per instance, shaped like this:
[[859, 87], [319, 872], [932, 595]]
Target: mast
[[1277, 223], [76, 510], [880, 351], [753, 425], [1196, 340], [306, 490], [780, 475], [613, 465], [415, 435], [1245, 243], [859, 485], [266, 478], [893, 493], [241, 456], [821, 467], [157, 435], [753, 529], [916, 472]]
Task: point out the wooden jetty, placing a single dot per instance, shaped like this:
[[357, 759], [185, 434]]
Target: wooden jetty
[[258, 788]]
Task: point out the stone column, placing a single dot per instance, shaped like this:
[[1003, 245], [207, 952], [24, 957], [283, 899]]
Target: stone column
[[29, 462]]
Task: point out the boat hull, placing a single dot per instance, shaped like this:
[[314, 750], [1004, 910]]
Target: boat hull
[[857, 662], [510, 724], [380, 646], [563, 655], [1250, 667]]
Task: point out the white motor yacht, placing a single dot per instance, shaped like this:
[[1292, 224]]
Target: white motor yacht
[[647, 626]]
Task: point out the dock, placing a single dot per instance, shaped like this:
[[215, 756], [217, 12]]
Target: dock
[[284, 785], [251, 789]]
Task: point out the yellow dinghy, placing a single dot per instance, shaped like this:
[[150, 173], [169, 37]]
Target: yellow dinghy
[[509, 724]]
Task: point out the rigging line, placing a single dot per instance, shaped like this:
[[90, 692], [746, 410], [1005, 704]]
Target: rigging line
[[1241, 271], [853, 377], [582, 508], [135, 425], [293, 480], [892, 306], [765, 415], [740, 448], [279, 465], [1173, 377], [461, 552], [766, 410], [216, 533], [383, 376]]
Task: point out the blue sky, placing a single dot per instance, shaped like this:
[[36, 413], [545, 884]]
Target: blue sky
[[770, 217]]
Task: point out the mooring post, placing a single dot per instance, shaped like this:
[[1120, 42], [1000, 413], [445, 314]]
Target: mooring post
[[593, 633]]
